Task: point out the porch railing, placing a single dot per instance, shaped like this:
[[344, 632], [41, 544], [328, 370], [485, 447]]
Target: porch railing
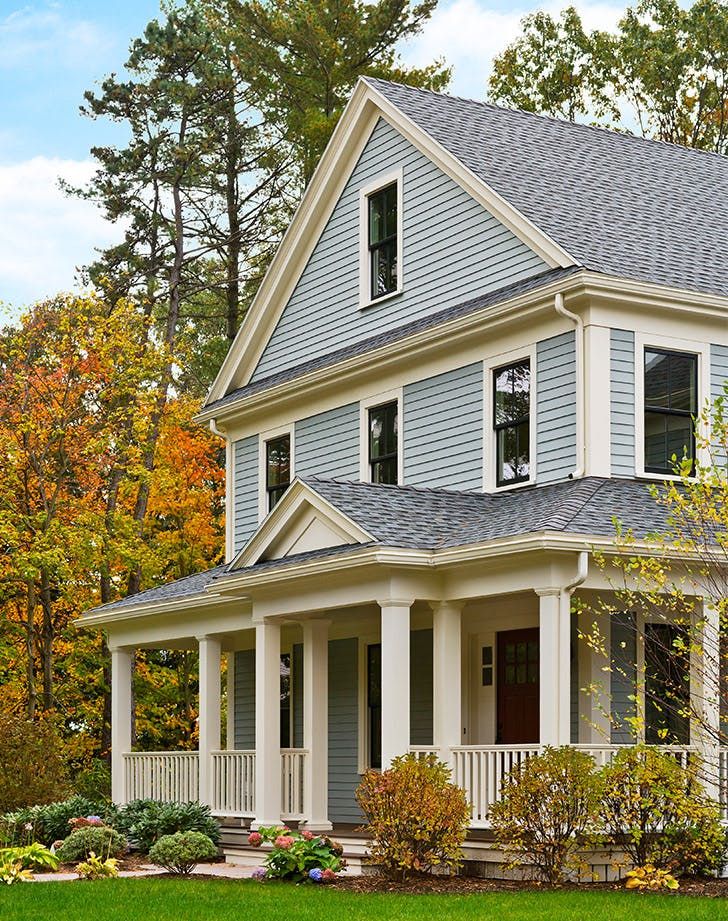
[[233, 783], [168, 777], [480, 771], [292, 770]]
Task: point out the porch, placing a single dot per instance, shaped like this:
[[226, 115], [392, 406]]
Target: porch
[[314, 700]]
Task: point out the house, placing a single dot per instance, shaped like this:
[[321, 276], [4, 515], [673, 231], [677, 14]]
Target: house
[[482, 334]]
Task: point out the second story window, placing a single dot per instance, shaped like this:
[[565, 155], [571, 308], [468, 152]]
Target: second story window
[[382, 241], [511, 422], [671, 404], [277, 468], [383, 454]]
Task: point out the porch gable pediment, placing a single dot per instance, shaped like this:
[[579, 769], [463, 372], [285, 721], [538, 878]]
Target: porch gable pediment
[[302, 522]]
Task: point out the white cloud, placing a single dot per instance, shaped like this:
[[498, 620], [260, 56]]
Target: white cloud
[[468, 34], [33, 36], [45, 235]]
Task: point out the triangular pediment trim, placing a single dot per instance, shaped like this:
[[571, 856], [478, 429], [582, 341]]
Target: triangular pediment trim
[[302, 522]]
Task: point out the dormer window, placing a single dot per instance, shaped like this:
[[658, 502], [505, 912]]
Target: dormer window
[[383, 242], [511, 422], [380, 228]]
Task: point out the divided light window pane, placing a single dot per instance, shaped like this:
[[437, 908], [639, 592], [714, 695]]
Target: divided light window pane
[[383, 448], [511, 417], [277, 468], [383, 241], [671, 404]]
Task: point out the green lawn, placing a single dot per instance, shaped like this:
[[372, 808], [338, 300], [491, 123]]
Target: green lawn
[[225, 900]]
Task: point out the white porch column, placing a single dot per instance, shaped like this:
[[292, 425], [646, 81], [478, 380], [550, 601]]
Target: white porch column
[[395, 679], [447, 677], [554, 666], [121, 707], [316, 723], [267, 724], [209, 719], [705, 685]]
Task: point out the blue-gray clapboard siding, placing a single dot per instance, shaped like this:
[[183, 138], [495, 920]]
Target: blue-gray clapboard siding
[[245, 490], [327, 444], [443, 430], [718, 380], [244, 711], [556, 407], [421, 687], [453, 249], [623, 676], [343, 730], [622, 384], [297, 695]]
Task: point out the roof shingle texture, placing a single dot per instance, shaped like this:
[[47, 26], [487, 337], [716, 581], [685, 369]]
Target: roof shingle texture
[[436, 519], [618, 204]]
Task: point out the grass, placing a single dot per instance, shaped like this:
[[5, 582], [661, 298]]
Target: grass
[[231, 900]]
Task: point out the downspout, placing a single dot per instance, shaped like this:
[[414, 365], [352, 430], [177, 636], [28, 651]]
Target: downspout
[[580, 385]]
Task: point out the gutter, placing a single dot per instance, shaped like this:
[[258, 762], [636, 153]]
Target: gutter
[[580, 385]]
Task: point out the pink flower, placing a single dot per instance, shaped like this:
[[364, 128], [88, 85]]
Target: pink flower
[[328, 876], [255, 839], [307, 835], [284, 842]]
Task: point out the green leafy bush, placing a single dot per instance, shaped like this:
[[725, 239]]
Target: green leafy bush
[[180, 852], [145, 821], [547, 811], [298, 856], [31, 857], [416, 818], [80, 844], [657, 811], [33, 762], [97, 868], [50, 822]]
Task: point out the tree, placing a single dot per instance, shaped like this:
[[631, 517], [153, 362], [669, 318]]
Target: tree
[[677, 596], [665, 68], [551, 69], [301, 59]]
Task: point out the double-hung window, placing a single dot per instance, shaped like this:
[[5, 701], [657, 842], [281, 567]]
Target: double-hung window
[[277, 468], [671, 405], [383, 448], [382, 224], [511, 422]]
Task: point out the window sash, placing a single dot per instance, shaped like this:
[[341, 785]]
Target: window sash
[[384, 449], [277, 468], [512, 424], [382, 241], [660, 460]]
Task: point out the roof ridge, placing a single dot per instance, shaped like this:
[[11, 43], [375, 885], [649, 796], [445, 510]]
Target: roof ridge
[[567, 515], [602, 129]]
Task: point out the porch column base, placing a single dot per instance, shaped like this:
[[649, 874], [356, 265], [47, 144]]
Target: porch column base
[[325, 826]]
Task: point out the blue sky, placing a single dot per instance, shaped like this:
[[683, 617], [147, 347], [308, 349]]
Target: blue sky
[[52, 50]]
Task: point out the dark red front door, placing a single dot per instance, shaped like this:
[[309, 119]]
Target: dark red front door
[[517, 687]]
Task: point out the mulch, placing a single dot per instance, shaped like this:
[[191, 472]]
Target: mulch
[[467, 885]]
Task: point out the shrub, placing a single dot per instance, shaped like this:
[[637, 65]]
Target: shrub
[[83, 842], [49, 822], [31, 857], [96, 868], [547, 811], [11, 871], [657, 811], [94, 781], [416, 818], [298, 856], [650, 878], [145, 821], [179, 852], [33, 766]]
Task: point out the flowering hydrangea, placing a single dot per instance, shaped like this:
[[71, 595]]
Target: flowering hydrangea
[[255, 839], [307, 835], [284, 842], [299, 855], [328, 875], [316, 874], [259, 873]]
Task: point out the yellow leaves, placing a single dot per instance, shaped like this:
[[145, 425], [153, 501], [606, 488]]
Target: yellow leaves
[[650, 878]]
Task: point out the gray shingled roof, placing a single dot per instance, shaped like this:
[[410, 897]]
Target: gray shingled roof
[[187, 587], [618, 204], [394, 335]]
